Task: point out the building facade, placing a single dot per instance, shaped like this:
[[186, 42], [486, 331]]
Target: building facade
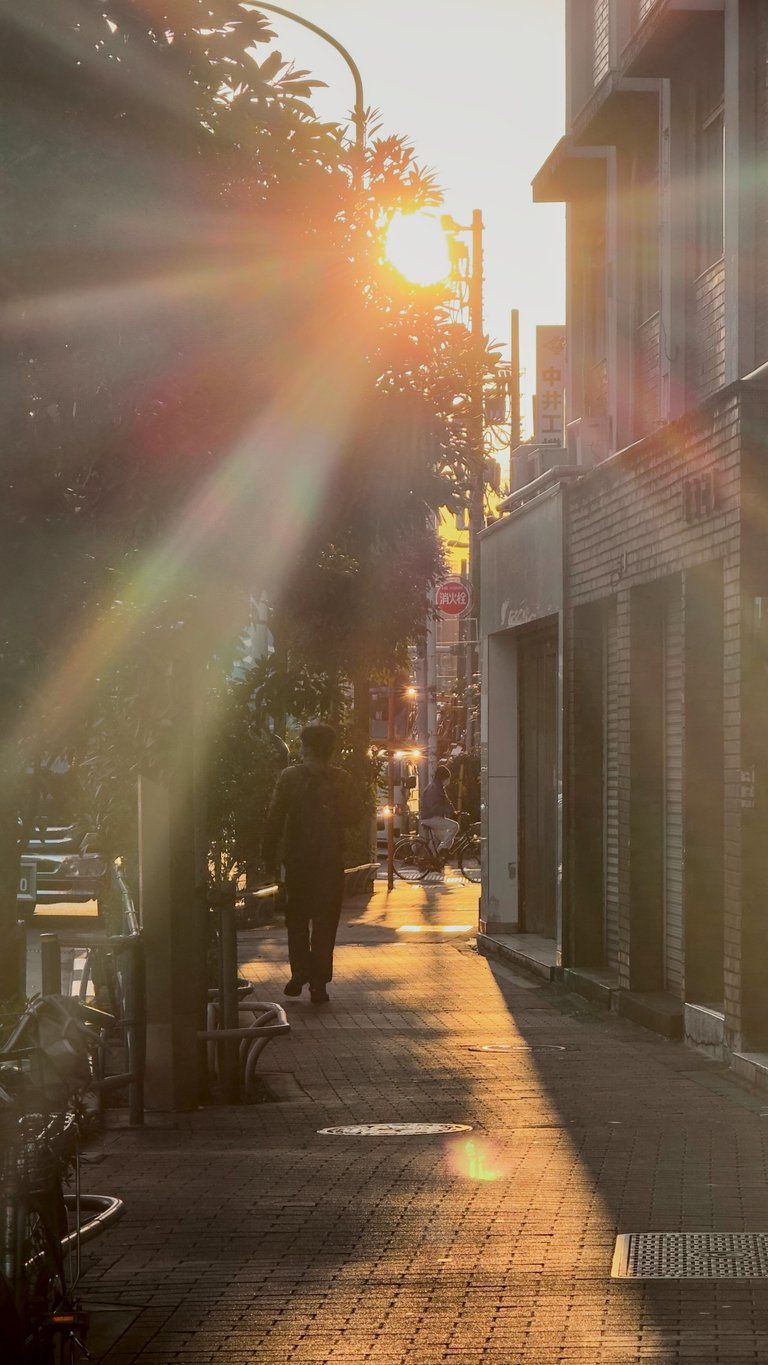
[[626, 708]]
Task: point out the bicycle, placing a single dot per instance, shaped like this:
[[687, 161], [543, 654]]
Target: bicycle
[[417, 856], [45, 1088]]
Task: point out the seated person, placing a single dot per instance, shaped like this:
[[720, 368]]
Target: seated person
[[436, 809]]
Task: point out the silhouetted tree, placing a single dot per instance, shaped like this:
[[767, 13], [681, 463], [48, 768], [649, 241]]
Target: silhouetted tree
[[210, 381]]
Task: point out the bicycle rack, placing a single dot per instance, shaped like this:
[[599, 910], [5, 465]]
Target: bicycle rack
[[270, 1022], [106, 1209], [129, 947]]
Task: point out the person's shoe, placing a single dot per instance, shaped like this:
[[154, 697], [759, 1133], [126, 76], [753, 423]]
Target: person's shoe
[[319, 995], [293, 987]]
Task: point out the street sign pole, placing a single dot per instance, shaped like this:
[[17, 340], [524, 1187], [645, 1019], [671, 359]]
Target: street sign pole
[[391, 787]]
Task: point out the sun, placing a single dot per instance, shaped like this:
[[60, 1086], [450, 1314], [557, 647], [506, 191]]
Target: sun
[[417, 247]]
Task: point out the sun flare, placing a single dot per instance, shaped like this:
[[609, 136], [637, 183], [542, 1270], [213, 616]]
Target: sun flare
[[417, 247]]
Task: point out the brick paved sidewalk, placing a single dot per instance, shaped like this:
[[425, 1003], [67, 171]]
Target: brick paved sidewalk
[[250, 1237]]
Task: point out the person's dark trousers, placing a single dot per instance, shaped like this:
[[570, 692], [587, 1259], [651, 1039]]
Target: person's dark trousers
[[312, 918]]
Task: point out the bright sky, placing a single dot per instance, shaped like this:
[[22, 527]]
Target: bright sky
[[479, 88]]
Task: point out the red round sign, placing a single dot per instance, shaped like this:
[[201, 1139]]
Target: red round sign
[[453, 597]]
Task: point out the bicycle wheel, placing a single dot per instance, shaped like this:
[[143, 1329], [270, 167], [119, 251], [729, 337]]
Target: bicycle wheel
[[412, 860], [469, 861], [41, 1292]]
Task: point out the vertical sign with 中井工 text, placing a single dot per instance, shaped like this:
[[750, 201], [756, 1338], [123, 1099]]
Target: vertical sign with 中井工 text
[[550, 386]]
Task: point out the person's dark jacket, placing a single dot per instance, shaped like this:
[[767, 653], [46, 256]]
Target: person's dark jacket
[[436, 802], [311, 806]]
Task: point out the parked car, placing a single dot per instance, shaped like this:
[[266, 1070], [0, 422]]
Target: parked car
[[60, 863]]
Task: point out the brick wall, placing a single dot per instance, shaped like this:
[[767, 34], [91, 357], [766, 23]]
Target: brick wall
[[706, 356], [761, 293], [644, 516], [647, 358], [601, 58]]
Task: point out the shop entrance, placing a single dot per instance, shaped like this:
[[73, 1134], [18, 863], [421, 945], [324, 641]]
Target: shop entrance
[[704, 785], [538, 741]]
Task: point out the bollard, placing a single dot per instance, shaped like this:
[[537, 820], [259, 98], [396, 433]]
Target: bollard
[[50, 957], [229, 1049]]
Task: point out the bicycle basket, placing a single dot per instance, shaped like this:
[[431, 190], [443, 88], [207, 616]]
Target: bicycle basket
[[59, 1048]]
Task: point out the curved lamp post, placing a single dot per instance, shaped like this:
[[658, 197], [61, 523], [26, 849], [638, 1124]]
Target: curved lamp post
[[358, 113]]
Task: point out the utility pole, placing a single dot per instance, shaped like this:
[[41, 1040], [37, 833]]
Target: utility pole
[[514, 389], [476, 420], [391, 785], [476, 466]]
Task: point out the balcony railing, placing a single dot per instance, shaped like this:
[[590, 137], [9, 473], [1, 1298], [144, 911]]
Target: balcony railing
[[601, 40]]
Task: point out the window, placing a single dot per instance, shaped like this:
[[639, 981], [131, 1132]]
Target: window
[[710, 171], [644, 189], [596, 301]]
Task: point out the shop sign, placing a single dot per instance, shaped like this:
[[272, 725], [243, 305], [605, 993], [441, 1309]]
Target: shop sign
[[453, 597], [550, 386]]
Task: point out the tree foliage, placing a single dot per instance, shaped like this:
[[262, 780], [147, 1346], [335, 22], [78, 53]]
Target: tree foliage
[[211, 382]]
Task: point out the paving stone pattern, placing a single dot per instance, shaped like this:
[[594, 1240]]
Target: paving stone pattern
[[251, 1238]]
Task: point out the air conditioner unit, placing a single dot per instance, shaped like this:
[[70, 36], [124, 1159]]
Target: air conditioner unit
[[588, 440], [529, 462]]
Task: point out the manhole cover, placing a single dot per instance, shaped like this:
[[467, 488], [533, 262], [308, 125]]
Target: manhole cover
[[691, 1256], [395, 1129], [516, 1047]]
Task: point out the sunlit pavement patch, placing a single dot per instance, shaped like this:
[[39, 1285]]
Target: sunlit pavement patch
[[395, 1129], [435, 928]]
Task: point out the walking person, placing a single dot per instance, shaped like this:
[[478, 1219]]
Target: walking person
[[311, 805], [436, 809]]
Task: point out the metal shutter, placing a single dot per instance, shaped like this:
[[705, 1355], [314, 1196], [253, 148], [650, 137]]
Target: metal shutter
[[673, 789], [611, 786]]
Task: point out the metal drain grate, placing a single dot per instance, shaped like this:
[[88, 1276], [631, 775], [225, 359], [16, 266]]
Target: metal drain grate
[[691, 1256]]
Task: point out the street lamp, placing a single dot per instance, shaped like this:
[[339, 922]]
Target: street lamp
[[358, 112], [416, 245]]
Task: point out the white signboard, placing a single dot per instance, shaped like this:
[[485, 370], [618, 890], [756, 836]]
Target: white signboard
[[27, 891], [550, 386]]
